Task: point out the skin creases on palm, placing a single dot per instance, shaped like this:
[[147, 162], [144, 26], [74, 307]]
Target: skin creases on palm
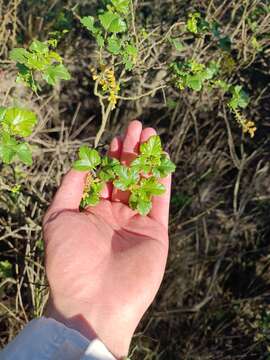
[[98, 258]]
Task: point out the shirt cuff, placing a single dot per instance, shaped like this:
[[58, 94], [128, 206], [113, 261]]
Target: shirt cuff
[[46, 338]]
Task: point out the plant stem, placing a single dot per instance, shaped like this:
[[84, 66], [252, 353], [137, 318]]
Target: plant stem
[[105, 116]]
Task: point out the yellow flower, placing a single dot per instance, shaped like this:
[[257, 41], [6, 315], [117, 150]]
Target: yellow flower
[[87, 186], [106, 79], [249, 127]]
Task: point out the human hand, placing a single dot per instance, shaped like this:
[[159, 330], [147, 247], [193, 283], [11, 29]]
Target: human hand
[[105, 264]]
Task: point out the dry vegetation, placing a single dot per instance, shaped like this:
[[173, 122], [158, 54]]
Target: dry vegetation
[[214, 301]]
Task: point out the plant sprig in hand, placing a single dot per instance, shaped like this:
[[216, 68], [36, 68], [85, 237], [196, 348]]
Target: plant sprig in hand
[[141, 178]]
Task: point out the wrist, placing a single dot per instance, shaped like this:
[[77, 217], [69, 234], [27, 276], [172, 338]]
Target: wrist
[[112, 334]]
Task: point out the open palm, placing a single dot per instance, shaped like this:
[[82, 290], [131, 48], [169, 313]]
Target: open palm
[[105, 265]]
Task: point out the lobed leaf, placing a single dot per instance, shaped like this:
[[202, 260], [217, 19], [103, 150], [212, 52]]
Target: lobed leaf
[[126, 177], [140, 203], [165, 168], [108, 169], [89, 159], [19, 55], [152, 147], [20, 121], [8, 148], [239, 98], [112, 22], [24, 153], [192, 23], [93, 196], [121, 6], [39, 47], [53, 73], [114, 45], [2, 113], [89, 23], [151, 186]]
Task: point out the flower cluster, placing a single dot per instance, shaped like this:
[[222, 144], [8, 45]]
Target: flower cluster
[[248, 126], [87, 186], [106, 79]]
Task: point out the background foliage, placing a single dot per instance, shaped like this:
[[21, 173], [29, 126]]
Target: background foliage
[[198, 71]]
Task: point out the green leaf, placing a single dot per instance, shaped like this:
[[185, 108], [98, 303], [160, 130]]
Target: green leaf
[[194, 82], [128, 63], [192, 23], [36, 62], [5, 269], [114, 45], [222, 85], [89, 159], [151, 186], [100, 40], [20, 121], [41, 59], [108, 168], [19, 55], [89, 23], [141, 164], [239, 98], [8, 148], [131, 50], [24, 153], [144, 207], [25, 76], [2, 113], [255, 44], [54, 73], [151, 147], [112, 22], [39, 47], [93, 197], [140, 204], [211, 70], [90, 200], [126, 177], [165, 168], [121, 6]]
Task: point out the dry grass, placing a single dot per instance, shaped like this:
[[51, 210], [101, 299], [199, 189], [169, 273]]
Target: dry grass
[[214, 300]]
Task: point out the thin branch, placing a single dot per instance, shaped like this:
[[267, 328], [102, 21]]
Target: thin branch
[[138, 97]]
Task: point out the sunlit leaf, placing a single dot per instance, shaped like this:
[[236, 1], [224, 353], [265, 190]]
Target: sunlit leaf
[[20, 121], [151, 147], [55, 73], [121, 5], [89, 159], [24, 153], [112, 22]]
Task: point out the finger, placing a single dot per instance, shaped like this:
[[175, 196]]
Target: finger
[[146, 134], [131, 142], [130, 150], [106, 192], [161, 204], [115, 150], [69, 194]]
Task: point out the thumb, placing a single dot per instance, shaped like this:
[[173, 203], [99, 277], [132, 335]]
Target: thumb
[[69, 194]]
